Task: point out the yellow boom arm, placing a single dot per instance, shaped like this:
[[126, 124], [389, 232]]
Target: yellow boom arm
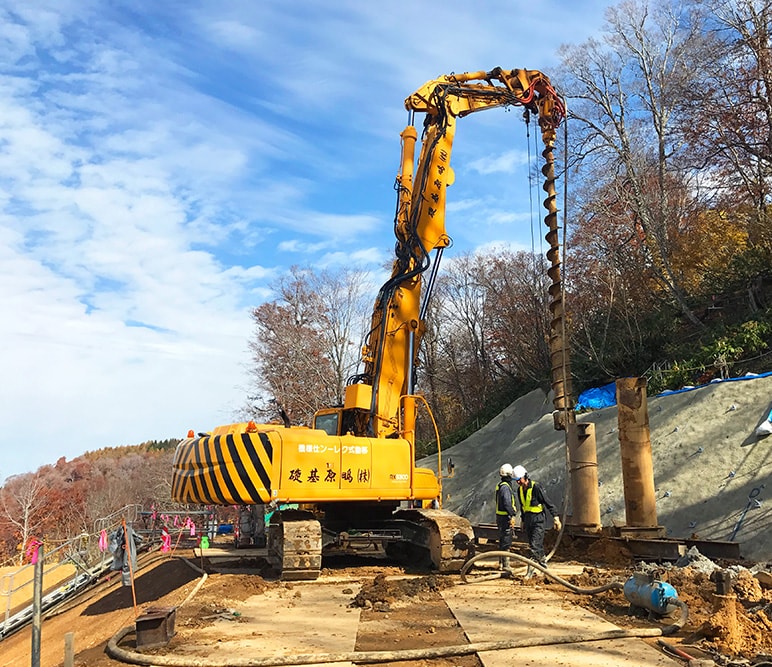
[[391, 350]]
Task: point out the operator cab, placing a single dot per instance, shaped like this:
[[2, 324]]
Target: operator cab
[[352, 417], [328, 420]]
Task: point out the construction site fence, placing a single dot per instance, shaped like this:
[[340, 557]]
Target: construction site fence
[[67, 568], [79, 561]]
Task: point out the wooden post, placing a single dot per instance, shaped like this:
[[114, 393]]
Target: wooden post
[[69, 649]]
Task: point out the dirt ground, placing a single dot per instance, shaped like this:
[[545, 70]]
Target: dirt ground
[[746, 632], [396, 611], [16, 584]]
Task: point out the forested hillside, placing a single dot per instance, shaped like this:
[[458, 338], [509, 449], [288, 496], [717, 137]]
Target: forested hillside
[[63, 500]]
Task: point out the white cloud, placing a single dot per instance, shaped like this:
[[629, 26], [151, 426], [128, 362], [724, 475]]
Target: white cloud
[[161, 164], [235, 35], [496, 246], [504, 163], [367, 257], [298, 247]]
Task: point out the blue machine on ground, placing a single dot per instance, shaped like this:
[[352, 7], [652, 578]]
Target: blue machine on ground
[[642, 590]]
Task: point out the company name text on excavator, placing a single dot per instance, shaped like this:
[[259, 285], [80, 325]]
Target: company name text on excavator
[[352, 470]]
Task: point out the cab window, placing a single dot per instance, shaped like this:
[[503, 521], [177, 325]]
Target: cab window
[[327, 423]]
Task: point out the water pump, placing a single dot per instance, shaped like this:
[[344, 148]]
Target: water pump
[[643, 590]]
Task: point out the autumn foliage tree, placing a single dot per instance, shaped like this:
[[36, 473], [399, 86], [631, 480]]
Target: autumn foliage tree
[[59, 502], [728, 127], [305, 343], [624, 94]]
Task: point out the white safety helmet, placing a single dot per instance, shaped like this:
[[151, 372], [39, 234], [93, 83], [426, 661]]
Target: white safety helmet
[[506, 470], [519, 472]]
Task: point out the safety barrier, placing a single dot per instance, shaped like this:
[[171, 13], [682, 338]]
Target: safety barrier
[[83, 553]]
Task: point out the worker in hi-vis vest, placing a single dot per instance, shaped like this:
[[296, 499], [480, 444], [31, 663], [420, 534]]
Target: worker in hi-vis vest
[[533, 501], [505, 511]]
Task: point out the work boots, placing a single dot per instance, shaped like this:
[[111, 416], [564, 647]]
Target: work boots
[[504, 562]]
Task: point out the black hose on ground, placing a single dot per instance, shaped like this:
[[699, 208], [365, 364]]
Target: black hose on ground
[[362, 657], [671, 629], [667, 630]]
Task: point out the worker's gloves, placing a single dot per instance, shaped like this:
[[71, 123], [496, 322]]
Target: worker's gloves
[[556, 523], [512, 522]]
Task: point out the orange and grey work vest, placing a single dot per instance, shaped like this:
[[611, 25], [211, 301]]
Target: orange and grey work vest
[[525, 500], [500, 510]]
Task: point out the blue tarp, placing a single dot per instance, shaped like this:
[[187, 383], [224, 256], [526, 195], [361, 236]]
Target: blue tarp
[[605, 396], [598, 397]]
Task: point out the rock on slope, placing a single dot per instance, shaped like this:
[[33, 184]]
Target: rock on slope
[[707, 460]]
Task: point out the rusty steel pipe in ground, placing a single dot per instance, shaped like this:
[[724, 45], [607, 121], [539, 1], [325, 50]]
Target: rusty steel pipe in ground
[[635, 446], [583, 471]]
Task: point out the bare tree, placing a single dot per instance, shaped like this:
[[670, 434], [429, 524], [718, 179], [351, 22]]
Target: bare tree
[[306, 342], [488, 322], [607, 282], [23, 499], [455, 367], [518, 319], [343, 318], [731, 133], [624, 93]]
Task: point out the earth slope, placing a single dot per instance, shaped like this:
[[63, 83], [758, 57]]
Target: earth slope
[[707, 461]]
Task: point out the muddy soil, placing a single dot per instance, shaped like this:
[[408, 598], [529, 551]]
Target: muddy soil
[[409, 614], [399, 611], [737, 625]]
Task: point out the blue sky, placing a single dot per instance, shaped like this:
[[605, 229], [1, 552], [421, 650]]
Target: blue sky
[[162, 162]]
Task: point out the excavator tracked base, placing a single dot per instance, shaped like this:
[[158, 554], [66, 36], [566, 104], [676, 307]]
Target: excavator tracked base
[[448, 537], [295, 545]]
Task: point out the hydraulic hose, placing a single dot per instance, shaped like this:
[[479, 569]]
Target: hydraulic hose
[[372, 657], [667, 630]]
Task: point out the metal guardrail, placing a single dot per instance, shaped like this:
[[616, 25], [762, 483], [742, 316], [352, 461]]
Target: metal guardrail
[[82, 551], [130, 513]]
